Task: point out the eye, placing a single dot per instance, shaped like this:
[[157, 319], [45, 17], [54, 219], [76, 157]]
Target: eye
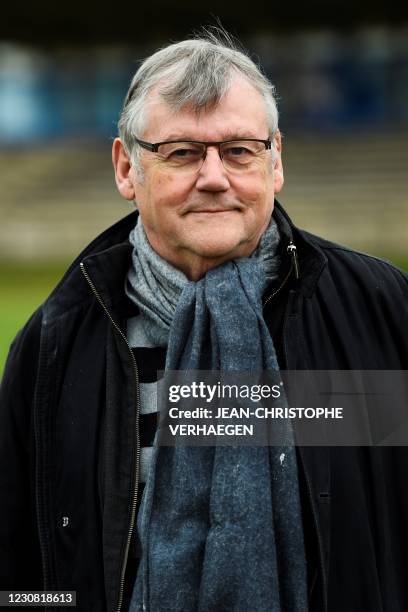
[[180, 152], [184, 153], [237, 151]]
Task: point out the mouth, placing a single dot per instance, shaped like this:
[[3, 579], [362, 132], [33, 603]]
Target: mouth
[[213, 211]]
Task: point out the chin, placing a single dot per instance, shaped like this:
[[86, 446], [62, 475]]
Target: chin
[[219, 250], [222, 242]]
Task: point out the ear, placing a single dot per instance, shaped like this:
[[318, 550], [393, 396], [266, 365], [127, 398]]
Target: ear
[[278, 178], [123, 170]]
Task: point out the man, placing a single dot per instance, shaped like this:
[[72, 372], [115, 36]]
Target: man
[[210, 273]]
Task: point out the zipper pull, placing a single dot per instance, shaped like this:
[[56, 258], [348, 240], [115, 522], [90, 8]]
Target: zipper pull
[[291, 249]]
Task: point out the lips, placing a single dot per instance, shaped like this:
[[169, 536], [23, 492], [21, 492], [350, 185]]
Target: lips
[[214, 211], [211, 208]]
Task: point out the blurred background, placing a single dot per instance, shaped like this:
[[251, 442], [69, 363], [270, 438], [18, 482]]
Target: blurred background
[[341, 74]]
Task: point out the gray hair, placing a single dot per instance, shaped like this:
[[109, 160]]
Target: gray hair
[[195, 72]]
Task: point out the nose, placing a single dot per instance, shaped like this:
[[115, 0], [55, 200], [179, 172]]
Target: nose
[[212, 175]]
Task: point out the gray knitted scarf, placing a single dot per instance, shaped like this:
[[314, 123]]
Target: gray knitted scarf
[[155, 285], [220, 527]]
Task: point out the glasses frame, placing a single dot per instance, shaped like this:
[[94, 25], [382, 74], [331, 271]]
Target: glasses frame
[[154, 146]]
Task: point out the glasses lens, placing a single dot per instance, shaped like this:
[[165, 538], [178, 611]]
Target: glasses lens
[[182, 154], [236, 155], [241, 153]]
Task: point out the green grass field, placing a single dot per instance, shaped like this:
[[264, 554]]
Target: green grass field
[[23, 289]]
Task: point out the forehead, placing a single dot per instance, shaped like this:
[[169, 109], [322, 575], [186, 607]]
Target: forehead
[[241, 112]]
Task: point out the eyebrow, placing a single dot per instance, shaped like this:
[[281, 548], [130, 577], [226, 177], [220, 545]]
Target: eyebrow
[[226, 136]]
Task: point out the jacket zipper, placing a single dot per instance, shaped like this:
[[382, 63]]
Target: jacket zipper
[[137, 465], [309, 486], [291, 249]]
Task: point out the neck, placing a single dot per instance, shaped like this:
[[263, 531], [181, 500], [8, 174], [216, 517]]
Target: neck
[[196, 265]]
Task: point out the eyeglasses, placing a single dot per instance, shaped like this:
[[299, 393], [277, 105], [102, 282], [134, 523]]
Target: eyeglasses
[[236, 155]]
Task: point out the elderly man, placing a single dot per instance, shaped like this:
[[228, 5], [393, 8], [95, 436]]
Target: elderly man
[[208, 273]]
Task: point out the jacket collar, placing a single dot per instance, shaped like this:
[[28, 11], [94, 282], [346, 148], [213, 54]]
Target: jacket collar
[[312, 259], [108, 257]]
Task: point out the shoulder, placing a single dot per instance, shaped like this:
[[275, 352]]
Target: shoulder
[[27, 341], [20, 372], [347, 266]]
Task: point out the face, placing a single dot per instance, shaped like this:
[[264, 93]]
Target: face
[[197, 221]]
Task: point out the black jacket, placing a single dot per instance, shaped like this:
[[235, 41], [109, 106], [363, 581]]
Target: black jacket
[[68, 429]]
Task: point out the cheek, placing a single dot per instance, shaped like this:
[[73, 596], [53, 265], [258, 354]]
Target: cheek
[[256, 192], [168, 192]]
